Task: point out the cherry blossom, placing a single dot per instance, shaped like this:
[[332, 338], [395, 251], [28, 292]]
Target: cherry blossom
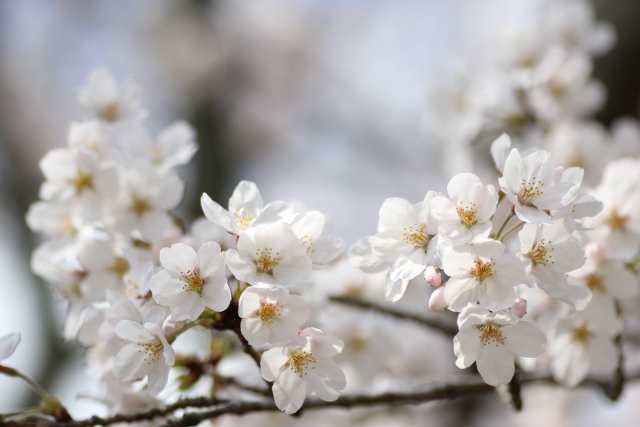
[[481, 272], [109, 103], [491, 340], [273, 255], [548, 253], [147, 354], [246, 210], [191, 280], [271, 315], [302, 367], [529, 184], [468, 212]]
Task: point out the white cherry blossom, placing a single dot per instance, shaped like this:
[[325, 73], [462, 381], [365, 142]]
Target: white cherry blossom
[[468, 211], [491, 340], [481, 272], [273, 255], [530, 185], [109, 103], [321, 248], [548, 253], [174, 146], [580, 346], [147, 354], [304, 367], [78, 175], [191, 281], [144, 202], [408, 240], [246, 210], [271, 315]]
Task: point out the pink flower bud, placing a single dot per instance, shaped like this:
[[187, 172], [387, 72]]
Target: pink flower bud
[[170, 326], [519, 307], [437, 302], [433, 276]]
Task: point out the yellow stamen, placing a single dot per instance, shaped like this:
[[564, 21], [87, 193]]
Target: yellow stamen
[[300, 360], [467, 213], [269, 312], [244, 217], [109, 112], [82, 181], [482, 270], [152, 350], [417, 236], [491, 333], [265, 260], [192, 281], [582, 333]]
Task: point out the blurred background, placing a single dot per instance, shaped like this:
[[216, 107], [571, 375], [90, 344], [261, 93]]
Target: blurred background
[[320, 102]]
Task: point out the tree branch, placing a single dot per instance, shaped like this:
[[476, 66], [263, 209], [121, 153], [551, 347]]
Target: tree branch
[[435, 324]]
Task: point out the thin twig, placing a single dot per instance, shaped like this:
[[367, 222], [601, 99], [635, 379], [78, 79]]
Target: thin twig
[[435, 324]]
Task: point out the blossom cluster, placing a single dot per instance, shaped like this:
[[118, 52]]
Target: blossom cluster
[[134, 279], [535, 254]]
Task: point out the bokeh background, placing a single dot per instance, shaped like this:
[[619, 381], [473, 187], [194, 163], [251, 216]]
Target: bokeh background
[[321, 102]]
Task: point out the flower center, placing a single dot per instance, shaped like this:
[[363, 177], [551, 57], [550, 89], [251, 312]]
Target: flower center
[[120, 266], [269, 312], [482, 270], [152, 350], [617, 221], [540, 254], [491, 334], [140, 205], [192, 281], [82, 181], [582, 333], [594, 282], [109, 112], [299, 361], [529, 191], [265, 260], [417, 236], [467, 213], [245, 217]]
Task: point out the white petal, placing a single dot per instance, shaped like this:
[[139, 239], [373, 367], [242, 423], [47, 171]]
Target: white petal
[[249, 302], [241, 265], [272, 362], [158, 377], [394, 289], [212, 260], [524, 339], [255, 330], [217, 214], [130, 364], [494, 295], [326, 345], [297, 309], [247, 196], [465, 346], [216, 295], [289, 391], [292, 270], [495, 364], [133, 331], [180, 257], [459, 292], [282, 331], [326, 380]]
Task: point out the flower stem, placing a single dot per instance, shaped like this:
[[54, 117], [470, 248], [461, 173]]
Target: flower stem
[[504, 224], [15, 373], [510, 230]]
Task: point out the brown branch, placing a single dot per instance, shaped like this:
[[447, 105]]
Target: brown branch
[[217, 407], [347, 401], [435, 324]]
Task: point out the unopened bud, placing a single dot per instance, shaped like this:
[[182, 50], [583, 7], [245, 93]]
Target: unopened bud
[[433, 276], [171, 326], [437, 302], [519, 307]]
